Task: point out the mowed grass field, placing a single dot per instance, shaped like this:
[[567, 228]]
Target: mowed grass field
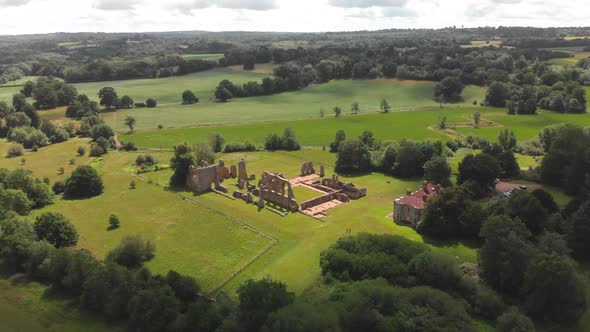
[[190, 238], [210, 57], [393, 126], [570, 61], [301, 104]]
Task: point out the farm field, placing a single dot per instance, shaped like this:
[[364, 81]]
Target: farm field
[[6, 93], [483, 43], [570, 61], [169, 90], [305, 103], [211, 57], [393, 126]]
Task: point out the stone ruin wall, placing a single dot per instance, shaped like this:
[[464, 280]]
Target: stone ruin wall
[[271, 187], [202, 178]]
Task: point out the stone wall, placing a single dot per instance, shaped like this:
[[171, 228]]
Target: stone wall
[[406, 214], [201, 179], [276, 189]]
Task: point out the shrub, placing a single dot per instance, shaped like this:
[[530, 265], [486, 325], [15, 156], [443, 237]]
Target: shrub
[[96, 150], [140, 105], [15, 150], [216, 140], [132, 252], [129, 147], [114, 221], [151, 103], [81, 151], [239, 147], [35, 148], [101, 130], [59, 187], [84, 182]]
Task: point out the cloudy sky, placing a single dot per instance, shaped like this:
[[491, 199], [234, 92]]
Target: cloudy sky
[[43, 16]]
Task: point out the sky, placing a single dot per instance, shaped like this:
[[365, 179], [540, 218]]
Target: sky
[[45, 16]]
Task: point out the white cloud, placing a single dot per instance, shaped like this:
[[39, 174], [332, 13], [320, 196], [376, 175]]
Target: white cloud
[[115, 4], [282, 15], [13, 3], [367, 3]]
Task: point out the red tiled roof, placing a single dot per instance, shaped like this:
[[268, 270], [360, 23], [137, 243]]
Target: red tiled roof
[[416, 199]]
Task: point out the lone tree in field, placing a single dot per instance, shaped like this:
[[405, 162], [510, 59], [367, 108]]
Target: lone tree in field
[[385, 108], [188, 97], [354, 108], [84, 183], [56, 229], [337, 111], [114, 221], [108, 97], [151, 103], [449, 90], [130, 122], [476, 119]]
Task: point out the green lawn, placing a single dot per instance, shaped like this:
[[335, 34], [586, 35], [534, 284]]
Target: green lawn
[[393, 126], [211, 57], [570, 61], [6, 93], [168, 91], [301, 104], [190, 238], [525, 126]]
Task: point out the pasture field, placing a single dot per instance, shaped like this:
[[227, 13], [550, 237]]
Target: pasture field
[[20, 82], [393, 126], [483, 43], [570, 61], [210, 57], [576, 37], [181, 230], [525, 126], [168, 90], [6, 93], [301, 104]]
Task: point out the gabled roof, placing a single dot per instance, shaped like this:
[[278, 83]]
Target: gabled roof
[[418, 198]]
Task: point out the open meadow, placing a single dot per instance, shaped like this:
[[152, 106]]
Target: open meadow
[[570, 61], [412, 124]]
